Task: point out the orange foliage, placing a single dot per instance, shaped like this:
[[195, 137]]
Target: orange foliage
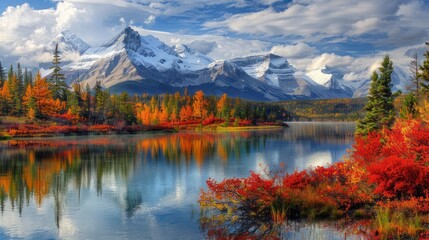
[[199, 105], [185, 113]]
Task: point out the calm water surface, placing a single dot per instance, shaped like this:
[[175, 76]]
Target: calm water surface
[[145, 186]]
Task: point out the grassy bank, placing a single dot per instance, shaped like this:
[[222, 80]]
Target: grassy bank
[[247, 128]]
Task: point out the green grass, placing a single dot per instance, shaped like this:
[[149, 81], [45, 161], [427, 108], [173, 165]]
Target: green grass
[[396, 224]]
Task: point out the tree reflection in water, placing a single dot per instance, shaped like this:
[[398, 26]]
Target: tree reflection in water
[[32, 170]]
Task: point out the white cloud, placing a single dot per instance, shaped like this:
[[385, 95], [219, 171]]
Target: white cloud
[[330, 60], [220, 47], [334, 19], [151, 19], [299, 50], [26, 31], [365, 25]]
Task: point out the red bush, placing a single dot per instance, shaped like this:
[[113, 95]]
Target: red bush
[[399, 177]]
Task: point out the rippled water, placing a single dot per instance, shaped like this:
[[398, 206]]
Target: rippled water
[[146, 186]]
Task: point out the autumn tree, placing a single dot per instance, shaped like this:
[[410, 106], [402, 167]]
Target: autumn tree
[[58, 85], [223, 108], [29, 102], [199, 105], [379, 109], [185, 113], [144, 114], [5, 99], [42, 96]]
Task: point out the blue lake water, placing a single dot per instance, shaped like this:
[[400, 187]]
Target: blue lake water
[[146, 186]]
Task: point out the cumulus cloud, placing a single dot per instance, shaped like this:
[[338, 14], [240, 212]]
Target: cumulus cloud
[[299, 50], [219, 47], [330, 60], [334, 19], [26, 31]]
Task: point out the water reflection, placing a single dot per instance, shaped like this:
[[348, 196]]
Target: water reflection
[[140, 185]]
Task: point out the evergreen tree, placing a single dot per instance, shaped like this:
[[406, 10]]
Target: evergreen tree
[[87, 105], [15, 89], [101, 102], [58, 84], [424, 72], [75, 100], [19, 75], [409, 107], [126, 109], [10, 73], [379, 109], [27, 78], [2, 75]]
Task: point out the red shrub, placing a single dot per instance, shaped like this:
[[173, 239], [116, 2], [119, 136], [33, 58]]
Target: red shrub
[[399, 177]]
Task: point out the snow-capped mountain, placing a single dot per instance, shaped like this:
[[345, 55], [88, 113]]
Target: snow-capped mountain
[[138, 64], [268, 68], [277, 72], [144, 64], [68, 42], [400, 81]]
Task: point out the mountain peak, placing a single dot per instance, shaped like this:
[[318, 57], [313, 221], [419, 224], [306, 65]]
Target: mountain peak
[[127, 38], [69, 42]]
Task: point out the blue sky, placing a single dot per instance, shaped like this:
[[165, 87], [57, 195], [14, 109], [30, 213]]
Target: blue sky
[[308, 32]]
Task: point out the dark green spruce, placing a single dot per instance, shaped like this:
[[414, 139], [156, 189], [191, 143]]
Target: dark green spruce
[[379, 109], [424, 72], [57, 81]]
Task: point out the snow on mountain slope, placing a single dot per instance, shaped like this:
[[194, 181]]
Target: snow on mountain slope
[[68, 42], [268, 68], [132, 62], [400, 81], [324, 77], [191, 60]]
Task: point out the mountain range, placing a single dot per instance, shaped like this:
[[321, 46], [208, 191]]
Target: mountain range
[[144, 64]]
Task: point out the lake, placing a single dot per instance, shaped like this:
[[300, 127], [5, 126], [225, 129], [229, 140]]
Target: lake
[[146, 186]]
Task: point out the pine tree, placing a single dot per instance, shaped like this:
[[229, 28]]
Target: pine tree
[[19, 75], [15, 89], [379, 109], [424, 72], [75, 100], [58, 84], [10, 73], [2, 75], [87, 100], [27, 78]]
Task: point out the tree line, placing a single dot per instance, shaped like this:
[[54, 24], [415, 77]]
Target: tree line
[[49, 98]]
